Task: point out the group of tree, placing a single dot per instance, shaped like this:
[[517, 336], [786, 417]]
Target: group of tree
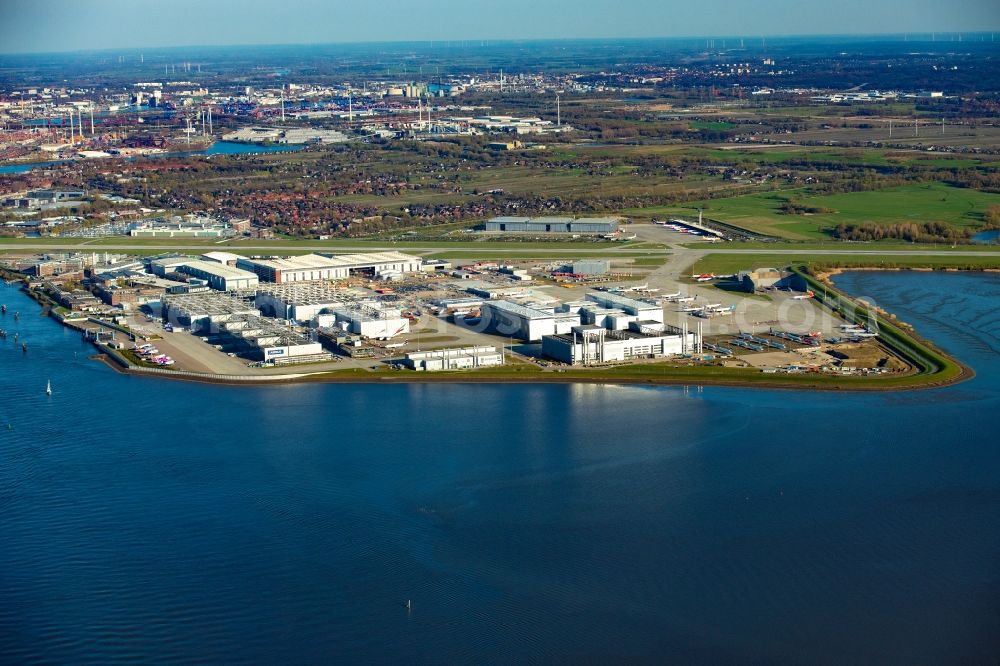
[[912, 232]]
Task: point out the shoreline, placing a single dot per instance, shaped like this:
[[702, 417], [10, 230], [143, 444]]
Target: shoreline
[[467, 377]]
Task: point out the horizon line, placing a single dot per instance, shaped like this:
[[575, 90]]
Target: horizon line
[[855, 35]]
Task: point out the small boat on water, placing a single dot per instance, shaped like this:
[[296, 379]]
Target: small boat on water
[[3, 309], [48, 387]]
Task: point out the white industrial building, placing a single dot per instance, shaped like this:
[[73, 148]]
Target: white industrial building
[[299, 301], [591, 344], [218, 275], [366, 319], [227, 258], [240, 327], [269, 340], [462, 358], [524, 322], [309, 267], [613, 319], [513, 320], [204, 312]]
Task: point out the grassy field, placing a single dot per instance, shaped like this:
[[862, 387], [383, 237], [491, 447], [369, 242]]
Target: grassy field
[[930, 202], [717, 125], [845, 246], [473, 253], [725, 264]]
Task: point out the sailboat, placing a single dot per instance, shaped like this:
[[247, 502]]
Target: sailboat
[[48, 387]]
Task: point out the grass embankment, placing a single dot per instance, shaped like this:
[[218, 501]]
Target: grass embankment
[[725, 264], [139, 361]]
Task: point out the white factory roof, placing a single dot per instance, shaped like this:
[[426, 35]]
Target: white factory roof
[[304, 293], [221, 257], [215, 268], [171, 261], [369, 258], [519, 310], [318, 261], [305, 261], [620, 301]]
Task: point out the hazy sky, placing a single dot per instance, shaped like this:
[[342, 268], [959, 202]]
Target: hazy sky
[[69, 25]]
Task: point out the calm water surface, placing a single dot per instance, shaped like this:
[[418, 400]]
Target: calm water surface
[[149, 521]]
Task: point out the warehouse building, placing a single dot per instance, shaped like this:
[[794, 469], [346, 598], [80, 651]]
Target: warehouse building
[[513, 320], [366, 319], [217, 275], [227, 258], [321, 266], [299, 301], [204, 312], [590, 344], [553, 225], [641, 310], [463, 358], [613, 319]]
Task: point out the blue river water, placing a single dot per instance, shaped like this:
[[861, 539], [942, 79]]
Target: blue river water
[[218, 148], [151, 521], [25, 167]]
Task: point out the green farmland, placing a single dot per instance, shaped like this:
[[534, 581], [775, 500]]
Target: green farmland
[[931, 202]]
